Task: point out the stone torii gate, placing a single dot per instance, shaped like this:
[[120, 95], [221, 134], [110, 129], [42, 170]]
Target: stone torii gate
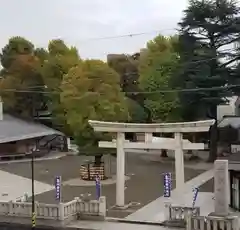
[[178, 145]]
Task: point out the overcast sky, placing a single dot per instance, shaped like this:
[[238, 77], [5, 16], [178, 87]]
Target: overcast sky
[[79, 21]]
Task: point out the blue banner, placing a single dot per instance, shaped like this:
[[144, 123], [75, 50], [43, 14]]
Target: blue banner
[[195, 194], [98, 187], [167, 184], [58, 183]]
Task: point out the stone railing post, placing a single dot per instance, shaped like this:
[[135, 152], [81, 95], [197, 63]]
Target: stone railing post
[[235, 223], [36, 208], [77, 200], [167, 210], [189, 222], [61, 211], [102, 206], [10, 207]]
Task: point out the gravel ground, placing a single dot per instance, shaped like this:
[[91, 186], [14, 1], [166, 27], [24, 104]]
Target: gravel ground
[[144, 186], [45, 171]]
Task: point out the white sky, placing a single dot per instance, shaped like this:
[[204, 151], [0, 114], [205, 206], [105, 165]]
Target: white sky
[[78, 21]]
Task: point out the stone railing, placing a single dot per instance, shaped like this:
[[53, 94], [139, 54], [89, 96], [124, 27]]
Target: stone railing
[[62, 213], [212, 223], [179, 213]]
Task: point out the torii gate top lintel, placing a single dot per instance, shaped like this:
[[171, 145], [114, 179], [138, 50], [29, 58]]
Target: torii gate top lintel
[[178, 127]]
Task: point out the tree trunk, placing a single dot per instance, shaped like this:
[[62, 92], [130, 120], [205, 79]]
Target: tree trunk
[[213, 131], [164, 153], [98, 159], [213, 107], [213, 142], [149, 115]]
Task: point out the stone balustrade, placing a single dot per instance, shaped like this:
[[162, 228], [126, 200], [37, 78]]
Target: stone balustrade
[[179, 213], [212, 223], [53, 214]]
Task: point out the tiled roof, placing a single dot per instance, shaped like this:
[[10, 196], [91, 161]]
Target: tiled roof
[[14, 129]]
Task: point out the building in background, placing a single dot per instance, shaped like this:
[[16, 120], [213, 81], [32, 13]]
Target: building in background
[[19, 138], [230, 109], [234, 185]]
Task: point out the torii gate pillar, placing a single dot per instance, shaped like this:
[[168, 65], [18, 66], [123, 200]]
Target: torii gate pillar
[[179, 163], [120, 184]]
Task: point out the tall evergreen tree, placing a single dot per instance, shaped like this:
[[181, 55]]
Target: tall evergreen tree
[[207, 31]]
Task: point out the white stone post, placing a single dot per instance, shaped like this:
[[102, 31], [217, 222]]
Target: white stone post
[[102, 206], [179, 164], [77, 203], [61, 211], [68, 144], [235, 223], [221, 187], [189, 223], [36, 208], [167, 206], [10, 208], [120, 185], [148, 137]]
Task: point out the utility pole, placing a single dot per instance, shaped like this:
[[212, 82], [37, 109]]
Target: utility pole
[[33, 195]]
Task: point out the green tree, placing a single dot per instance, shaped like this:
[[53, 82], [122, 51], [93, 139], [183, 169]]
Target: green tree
[[59, 60], [206, 29], [21, 74], [158, 63], [127, 68], [136, 111], [90, 91], [56, 62], [16, 46], [41, 54]]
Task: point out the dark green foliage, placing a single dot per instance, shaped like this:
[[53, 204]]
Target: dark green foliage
[[16, 46], [206, 31], [127, 68], [21, 71]]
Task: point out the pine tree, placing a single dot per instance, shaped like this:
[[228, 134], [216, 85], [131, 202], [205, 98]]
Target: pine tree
[[207, 32]]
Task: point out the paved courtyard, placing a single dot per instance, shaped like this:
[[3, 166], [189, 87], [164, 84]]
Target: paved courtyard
[[154, 211], [144, 184]]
